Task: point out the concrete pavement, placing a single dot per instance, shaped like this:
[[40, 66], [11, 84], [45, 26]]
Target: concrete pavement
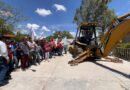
[[58, 75]]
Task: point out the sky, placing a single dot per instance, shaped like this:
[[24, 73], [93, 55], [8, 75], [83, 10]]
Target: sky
[[48, 16]]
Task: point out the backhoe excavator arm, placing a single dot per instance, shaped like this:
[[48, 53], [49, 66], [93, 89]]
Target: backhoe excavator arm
[[115, 34], [123, 17]]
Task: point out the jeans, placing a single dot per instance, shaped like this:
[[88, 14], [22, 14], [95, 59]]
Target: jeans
[[33, 55], [3, 69], [65, 49], [47, 55], [59, 51], [16, 62], [38, 57], [50, 54]]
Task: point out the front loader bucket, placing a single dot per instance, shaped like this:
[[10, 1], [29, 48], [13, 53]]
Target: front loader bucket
[[82, 57]]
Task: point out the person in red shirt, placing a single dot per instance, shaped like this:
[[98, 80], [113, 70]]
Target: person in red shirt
[[59, 47], [47, 50], [53, 46], [10, 53]]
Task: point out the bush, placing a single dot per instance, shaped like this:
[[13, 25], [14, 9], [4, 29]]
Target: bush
[[124, 45]]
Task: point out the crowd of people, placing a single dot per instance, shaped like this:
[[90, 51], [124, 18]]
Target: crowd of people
[[27, 52]]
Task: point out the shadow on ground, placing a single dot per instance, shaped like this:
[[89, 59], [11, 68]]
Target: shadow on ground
[[113, 70], [106, 67]]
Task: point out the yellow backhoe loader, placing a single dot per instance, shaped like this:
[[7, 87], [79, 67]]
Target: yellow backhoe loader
[[87, 46]]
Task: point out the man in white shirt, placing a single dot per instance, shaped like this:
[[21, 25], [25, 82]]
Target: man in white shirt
[[4, 60], [65, 42], [32, 47]]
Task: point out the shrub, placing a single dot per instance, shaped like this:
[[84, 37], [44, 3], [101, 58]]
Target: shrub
[[124, 45]]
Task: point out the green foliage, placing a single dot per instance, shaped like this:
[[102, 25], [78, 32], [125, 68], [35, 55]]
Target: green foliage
[[49, 38], [8, 18], [94, 11], [60, 35], [20, 36], [5, 28], [107, 18], [124, 45], [10, 14]]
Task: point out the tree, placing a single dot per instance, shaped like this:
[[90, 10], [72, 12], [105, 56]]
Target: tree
[[49, 37], [8, 18], [60, 35], [10, 14], [94, 11], [5, 28], [19, 36], [107, 18]]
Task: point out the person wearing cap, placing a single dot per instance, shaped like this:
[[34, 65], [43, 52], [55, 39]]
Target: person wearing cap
[[4, 60]]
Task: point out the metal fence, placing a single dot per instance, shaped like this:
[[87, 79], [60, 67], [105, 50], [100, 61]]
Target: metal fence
[[122, 53]]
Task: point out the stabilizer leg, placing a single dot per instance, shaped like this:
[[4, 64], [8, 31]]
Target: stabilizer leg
[[83, 56], [115, 60]]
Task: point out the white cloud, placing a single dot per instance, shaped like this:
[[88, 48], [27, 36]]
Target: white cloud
[[33, 26], [73, 33], [24, 31], [60, 7], [53, 31], [43, 12], [45, 28]]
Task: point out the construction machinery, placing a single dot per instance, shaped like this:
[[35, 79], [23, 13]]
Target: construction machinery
[[87, 46]]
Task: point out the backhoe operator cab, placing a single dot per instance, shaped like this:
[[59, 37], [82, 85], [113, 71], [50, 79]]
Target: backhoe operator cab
[[85, 38], [86, 35]]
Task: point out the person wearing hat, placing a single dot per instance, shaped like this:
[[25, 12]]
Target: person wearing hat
[[4, 60]]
